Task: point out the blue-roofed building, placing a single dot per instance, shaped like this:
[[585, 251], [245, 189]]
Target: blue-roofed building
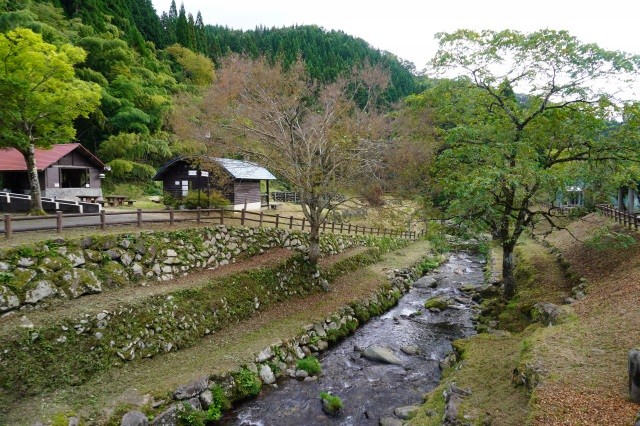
[[238, 180]]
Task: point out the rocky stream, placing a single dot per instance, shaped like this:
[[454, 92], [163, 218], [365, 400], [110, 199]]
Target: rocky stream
[[387, 365]]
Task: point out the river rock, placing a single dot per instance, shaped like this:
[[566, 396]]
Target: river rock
[[410, 349], [265, 355], [192, 389], [319, 330], [266, 375], [381, 354], [301, 374], [390, 421], [206, 398], [134, 418], [169, 417], [406, 412], [634, 375], [322, 345]]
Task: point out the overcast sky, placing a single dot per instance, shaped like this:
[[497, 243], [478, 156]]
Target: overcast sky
[[406, 28]]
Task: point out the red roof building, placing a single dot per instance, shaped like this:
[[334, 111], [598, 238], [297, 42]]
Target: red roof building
[[65, 171]]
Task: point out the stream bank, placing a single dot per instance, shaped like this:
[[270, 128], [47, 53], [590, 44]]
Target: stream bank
[[371, 391]]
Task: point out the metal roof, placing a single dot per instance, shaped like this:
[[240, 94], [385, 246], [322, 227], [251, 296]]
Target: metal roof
[[238, 169], [11, 160], [244, 169]]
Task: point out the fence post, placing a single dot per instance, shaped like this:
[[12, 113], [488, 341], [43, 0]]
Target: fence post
[[171, 216], [8, 230], [341, 227], [58, 221], [198, 215], [222, 215], [277, 220], [261, 218], [103, 219], [242, 215], [333, 227], [349, 229], [291, 222], [139, 214], [304, 219], [324, 226], [356, 231]]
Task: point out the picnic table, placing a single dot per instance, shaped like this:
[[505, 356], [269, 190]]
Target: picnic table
[[115, 200], [88, 198]]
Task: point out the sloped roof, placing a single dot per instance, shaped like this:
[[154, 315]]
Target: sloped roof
[[11, 160], [238, 169]]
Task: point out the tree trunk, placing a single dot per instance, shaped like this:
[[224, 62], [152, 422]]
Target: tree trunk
[[314, 243], [34, 183], [508, 272]]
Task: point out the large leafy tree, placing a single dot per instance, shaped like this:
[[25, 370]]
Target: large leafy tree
[[524, 109], [41, 97], [313, 136]]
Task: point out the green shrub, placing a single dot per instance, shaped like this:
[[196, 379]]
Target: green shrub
[[332, 403], [248, 384], [215, 200], [219, 404], [310, 364]]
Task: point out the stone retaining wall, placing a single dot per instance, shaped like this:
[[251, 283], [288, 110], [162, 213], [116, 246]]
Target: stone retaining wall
[[69, 350], [69, 269]]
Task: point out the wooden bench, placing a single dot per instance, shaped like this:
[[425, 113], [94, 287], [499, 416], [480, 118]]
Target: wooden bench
[[274, 206], [130, 202]]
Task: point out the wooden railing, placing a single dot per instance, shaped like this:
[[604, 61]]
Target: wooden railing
[[627, 219], [60, 221]]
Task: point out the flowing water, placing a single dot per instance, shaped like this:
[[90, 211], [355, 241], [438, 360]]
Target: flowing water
[[371, 390]]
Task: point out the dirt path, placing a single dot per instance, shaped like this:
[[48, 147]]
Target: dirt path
[[220, 352]]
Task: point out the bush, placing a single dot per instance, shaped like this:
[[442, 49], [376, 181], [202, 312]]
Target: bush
[[215, 200], [309, 364], [219, 405], [248, 384]]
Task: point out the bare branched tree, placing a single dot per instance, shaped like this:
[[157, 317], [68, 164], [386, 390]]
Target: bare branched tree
[[320, 138]]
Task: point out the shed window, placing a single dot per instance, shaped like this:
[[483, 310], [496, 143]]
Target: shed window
[[74, 178]]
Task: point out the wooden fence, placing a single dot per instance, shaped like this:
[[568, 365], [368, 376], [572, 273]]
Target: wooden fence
[[60, 221], [627, 219]]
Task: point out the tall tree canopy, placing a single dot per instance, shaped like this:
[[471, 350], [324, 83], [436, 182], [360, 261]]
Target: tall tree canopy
[[525, 108], [41, 97]]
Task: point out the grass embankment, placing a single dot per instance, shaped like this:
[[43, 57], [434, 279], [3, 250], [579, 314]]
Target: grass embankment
[[223, 351], [486, 361], [578, 367]]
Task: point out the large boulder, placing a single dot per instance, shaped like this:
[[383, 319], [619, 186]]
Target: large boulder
[[381, 354]]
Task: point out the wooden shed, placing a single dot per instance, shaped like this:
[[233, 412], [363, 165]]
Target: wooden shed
[[239, 181], [65, 171]]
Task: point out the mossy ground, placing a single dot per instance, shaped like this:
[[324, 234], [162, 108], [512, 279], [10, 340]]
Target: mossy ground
[[221, 352]]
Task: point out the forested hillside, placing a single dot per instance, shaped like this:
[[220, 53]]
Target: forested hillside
[[143, 60]]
